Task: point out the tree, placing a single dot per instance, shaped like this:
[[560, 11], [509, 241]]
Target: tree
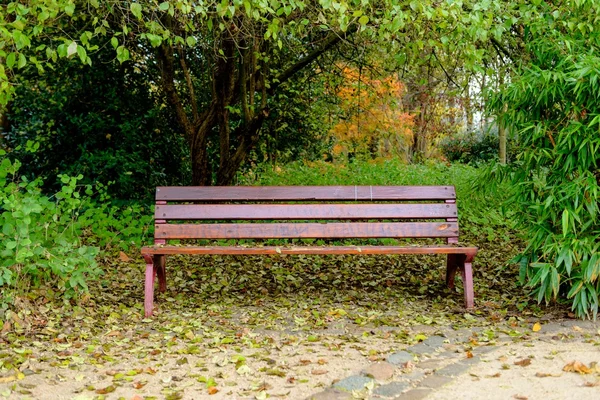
[[222, 62], [105, 123], [372, 120]]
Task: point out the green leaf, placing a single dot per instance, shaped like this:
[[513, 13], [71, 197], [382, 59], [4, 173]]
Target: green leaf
[[10, 60], [191, 41], [114, 42], [122, 54], [69, 9], [565, 222], [71, 49], [363, 20], [136, 10], [22, 61], [164, 6]]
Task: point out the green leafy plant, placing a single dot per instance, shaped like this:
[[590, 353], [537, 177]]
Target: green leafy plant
[[552, 102], [40, 242]]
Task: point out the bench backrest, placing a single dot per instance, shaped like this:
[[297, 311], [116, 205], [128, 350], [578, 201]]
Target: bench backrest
[[277, 212]]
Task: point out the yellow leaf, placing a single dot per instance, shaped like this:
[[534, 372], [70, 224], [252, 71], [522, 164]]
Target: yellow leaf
[[7, 379], [536, 327]]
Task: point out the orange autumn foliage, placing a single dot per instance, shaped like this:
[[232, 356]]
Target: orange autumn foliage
[[372, 119]]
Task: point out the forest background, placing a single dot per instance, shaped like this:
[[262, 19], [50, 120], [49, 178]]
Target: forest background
[[101, 101]]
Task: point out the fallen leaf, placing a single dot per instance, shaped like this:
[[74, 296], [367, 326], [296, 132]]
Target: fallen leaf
[[137, 397], [524, 362], [212, 390], [321, 361], [124, 257], [275, 372], [546, 374], [291, 379], [5, 327], [469, 354], [106, 390], [7, 379], [592, 384], [304, 362], [577, 366], [496, 375], [139, 384], [536, 327], [520, 397], [318, 372]]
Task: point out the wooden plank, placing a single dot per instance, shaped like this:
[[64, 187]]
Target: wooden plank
[[241, 250], [307, 230], [303, 211], [303, 193]]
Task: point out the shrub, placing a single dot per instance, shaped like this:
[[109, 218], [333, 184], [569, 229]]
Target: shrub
[[39, 237], [475, 148], [552, 102]]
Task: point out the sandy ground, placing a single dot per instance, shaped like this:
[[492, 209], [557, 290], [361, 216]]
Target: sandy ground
[[291, 369], [530, 370]]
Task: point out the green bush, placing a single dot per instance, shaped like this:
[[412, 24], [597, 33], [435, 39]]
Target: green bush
[[40, 241], [54, 240], [552, 102], [475, 148]]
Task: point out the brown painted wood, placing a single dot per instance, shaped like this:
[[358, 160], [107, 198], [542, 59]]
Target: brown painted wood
[[303, 211], [306, 193], [307, 230], [241, 250]]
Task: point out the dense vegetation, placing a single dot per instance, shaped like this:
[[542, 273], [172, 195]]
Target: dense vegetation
[[100, 102]]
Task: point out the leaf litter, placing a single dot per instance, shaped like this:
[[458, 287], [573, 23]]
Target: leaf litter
[[247, 326]]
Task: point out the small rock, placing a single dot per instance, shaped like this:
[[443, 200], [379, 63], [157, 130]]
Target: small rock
[[354, 382], [420, 349], [435, 341], [331, 394], [381, 371], [400, 358], [391, 389]]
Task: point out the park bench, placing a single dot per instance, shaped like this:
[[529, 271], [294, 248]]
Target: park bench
[[306, 212]]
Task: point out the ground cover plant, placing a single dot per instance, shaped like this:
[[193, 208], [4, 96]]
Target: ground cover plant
[[256, 326]]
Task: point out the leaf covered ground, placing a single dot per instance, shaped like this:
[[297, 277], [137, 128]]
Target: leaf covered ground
[[249, 327]]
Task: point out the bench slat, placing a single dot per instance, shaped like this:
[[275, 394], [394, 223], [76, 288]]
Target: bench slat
[[303, 211], [307, 230], [298, 193], [240, 250]]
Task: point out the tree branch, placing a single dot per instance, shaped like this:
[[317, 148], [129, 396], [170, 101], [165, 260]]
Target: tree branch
[[330, 41], [167, 72]]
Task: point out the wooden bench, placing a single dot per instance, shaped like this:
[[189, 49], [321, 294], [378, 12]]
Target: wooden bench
[[306, 212]]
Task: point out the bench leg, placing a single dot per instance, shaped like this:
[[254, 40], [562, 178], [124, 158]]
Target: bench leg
[[454, 263], [463, 264], [149, 285], [160, 261], [467, 275]]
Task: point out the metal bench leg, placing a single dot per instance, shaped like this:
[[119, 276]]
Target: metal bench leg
[[160, 261], [149, 285]]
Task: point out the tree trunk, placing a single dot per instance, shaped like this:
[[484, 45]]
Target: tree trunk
[[236, 80]]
